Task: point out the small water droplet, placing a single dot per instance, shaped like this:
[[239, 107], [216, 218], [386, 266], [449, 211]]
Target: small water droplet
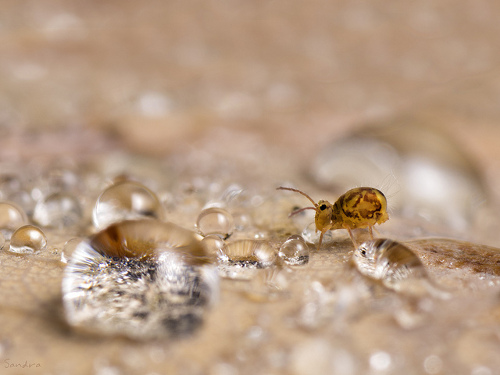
[[69, 248], [143, 279], [58, 210], [213, 244], [125, 200], [11, 218], [27, 239], [241, 259], [215, 220], [433, 364], [294, 251]]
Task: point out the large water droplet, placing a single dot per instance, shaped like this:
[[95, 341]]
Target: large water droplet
[[215, 220], [27, 239], [142, 279], [294, 251], [11, 218], [58, 210], [125, 200], [241, 259]]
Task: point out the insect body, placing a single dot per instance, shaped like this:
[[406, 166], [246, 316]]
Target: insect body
[[361, 207]]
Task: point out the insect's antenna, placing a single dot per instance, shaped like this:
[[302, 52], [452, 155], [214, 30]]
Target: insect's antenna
[[300, 192], [300, 210]]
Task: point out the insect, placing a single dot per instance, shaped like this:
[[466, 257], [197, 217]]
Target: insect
[[361, 207]]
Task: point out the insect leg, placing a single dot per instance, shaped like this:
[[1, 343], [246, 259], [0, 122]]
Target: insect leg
[[371, 232], [352, 237]]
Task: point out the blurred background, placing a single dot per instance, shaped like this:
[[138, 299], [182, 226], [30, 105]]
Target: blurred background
[[323, 95]]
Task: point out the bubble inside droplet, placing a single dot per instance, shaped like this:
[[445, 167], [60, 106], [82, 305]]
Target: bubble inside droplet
[[294, 251], [125, 200], [58, 210], [11, 218], [215, 220], [142, 279], [240, 259], [27, 239]]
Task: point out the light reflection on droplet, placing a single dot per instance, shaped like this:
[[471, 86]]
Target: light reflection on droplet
[[241, 259], [125, 200], [213, 244], [141, 278], [58, 210], [11, 218], [294, 251], [215, 220], [27, 239]]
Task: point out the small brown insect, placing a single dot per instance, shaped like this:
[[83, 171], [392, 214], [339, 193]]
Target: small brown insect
[[361, 207]]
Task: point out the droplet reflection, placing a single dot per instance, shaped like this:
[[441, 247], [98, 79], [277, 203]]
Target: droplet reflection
[[241, 259], [125, 200], [143, 279], [294, 251], [27, 239]]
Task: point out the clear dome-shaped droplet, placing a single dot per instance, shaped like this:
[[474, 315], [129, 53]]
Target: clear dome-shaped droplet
[[27, 239], [125, 200], [294, 251], [240, 259], [58, 210], [143, 279], [213, 244], [11, 218], [69, 248], [215, 220]]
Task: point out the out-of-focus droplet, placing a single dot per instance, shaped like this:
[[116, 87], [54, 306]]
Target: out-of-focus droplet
[[58, 210], [125, 200], [268, 284], [11, 217], [215, 220], [143, 279], [69, 248], [27, 239], [294, 251], [213, 244], [2, 241], [380, 361], [241, 259], [422, 171]]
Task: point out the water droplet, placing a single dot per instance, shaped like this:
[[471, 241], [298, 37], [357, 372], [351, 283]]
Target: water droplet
[[433, 364], [2, 241], [294, 251], [215, 220], [213, 244], [241, 259], [125, 200], [69, 248], [58, 210], [380, 361], [27, 239], [397, 266], [11, 218], [142, 278]]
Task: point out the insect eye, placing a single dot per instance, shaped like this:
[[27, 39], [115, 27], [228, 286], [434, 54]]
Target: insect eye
[[363, 252], [322, 207]]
